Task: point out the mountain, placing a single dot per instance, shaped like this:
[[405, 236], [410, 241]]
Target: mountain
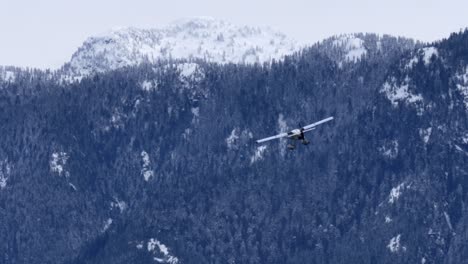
[[156, 162], [189, 39]]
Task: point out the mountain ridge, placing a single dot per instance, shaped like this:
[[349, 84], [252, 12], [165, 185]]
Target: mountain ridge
[[199, 38]]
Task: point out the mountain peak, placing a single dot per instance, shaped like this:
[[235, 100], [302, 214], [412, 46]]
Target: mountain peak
[[190, 38]]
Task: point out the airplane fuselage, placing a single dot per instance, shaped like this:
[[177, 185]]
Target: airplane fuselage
[[296, 134]]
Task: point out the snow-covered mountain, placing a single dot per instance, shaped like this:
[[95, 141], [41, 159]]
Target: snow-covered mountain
[[198, 38]]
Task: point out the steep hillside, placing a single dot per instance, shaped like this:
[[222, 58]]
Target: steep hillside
[[157, 163]]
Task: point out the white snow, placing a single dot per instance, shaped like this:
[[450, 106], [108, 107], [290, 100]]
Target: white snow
[[57, 163], [190, 72], [197, 38], [232, 138], [425, 134], [139, 245], [425, 53], [379, 45], [394, 244], [148, 85], [432, 232], [154, 244], [412, 62], [7, 75], [117, 120], [462, 86], [73, 186], [187, 132], [390, 149], [145, 158], [195, 111], [146, 171], [396, 93], [388, 219], [147, 174], [428, 53], [119, 204], [5, 170], [395, 193], [107, 224], [352, 45], [3, 181], [465, 138], [258, 155], [187, 70]]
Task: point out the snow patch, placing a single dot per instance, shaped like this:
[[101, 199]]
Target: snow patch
[[425, 134], [379, 45], [258, 155], [146, 171], [7, 75], [5, 171], [425, 53], [195, 111], [352, 45], [190, 70], [139, 245], [148, 85], [117, 120], [121, 205], [428, 53], [412, 62], [394, 244], [107, 224], [390, 149], [238, 137], [187, 132], [396, 93], [156, 247], [464, 138], [462, 86], [3, 181], [395, 193], [57, 163], [232, 138]]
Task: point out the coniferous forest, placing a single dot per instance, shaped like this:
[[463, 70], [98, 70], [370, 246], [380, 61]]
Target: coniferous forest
[[145, 164]]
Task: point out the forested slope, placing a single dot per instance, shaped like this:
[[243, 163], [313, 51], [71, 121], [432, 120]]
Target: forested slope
[[159, 162]]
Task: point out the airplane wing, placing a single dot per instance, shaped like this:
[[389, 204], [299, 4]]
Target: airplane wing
[[312, 126], [273, 137]]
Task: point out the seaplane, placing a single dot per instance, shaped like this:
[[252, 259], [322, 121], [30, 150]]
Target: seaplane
[[297, 134]]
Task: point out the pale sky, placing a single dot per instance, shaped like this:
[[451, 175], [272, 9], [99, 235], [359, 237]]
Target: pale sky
[[45, 33]]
